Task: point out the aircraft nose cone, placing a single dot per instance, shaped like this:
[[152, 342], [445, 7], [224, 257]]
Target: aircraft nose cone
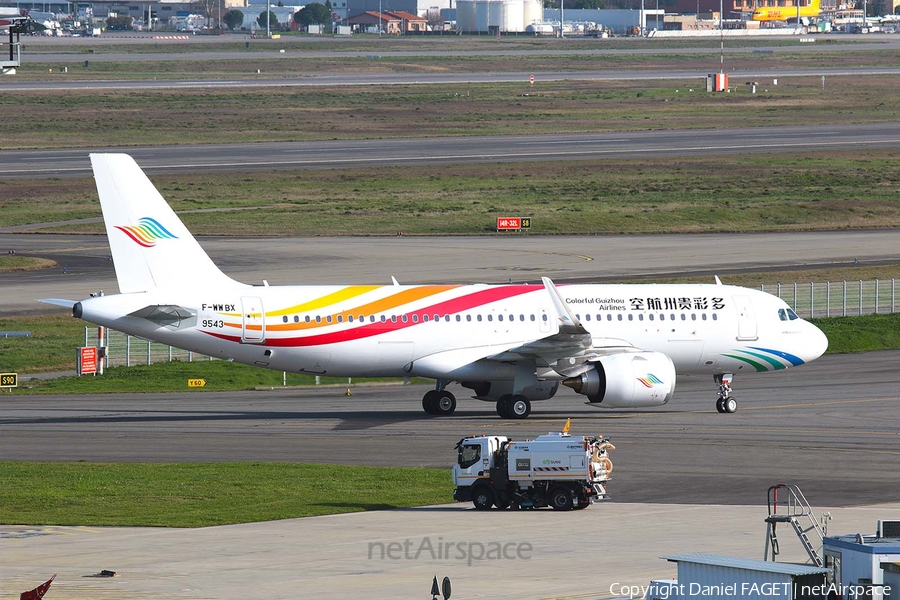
[[817, 343]]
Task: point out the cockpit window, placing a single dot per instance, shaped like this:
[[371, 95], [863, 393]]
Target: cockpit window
[[782, 314], [469, 455], [792, 315]]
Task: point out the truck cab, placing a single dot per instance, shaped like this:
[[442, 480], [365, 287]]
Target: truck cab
[[475, 458]]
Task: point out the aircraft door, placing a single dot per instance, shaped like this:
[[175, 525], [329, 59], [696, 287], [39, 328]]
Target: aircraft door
[[253, 320], [746, 319]]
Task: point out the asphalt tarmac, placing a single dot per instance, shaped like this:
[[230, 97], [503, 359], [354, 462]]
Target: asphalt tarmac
[[416, 152], [832, 427]]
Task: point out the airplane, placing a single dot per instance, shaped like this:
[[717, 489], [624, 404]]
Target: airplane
[[620, 346], [787, 13]]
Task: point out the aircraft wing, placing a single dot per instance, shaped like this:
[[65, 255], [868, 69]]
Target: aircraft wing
[[568, 352]]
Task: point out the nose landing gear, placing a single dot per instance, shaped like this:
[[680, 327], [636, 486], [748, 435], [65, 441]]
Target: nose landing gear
[[726, 402]]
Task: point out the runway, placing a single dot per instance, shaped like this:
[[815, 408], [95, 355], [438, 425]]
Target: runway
[[35, 164], [85, 266], [832, 427]]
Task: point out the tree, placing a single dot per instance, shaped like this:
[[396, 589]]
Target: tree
[[589, 4], [261, 19], [233, 19], [312, 14], [123, 23]]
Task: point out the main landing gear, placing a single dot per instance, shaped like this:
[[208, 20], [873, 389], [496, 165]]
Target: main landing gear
[[439, 401], [513, 407], [726, 402]]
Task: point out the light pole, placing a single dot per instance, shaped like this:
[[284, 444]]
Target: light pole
[[380, 19]]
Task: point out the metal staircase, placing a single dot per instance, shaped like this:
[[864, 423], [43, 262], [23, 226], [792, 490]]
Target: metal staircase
[[787, 504]]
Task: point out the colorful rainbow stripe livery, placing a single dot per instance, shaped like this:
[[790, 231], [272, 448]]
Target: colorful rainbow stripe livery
[[619, 346], [147, 232]]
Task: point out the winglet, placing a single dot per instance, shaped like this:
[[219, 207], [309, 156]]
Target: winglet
[[568, 322], [718, 281]]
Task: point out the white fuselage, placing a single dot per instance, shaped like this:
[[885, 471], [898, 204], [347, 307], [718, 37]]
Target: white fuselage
[[444, 331]]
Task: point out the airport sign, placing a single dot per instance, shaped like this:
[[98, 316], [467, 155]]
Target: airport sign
[[87, 360], [9, 380]]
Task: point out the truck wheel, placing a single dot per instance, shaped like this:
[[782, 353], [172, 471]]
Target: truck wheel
[[560, 499], [482, 498], [503, 501]]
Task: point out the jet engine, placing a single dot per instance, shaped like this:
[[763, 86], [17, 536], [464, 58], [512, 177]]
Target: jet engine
[[627, 380], [492, 391]]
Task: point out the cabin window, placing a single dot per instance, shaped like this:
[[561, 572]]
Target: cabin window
[[683, 317], [425, 318], [479, 318], [631, 317], [328, 318], [285, 318], [587, 317], [318, 319], [306, 318], [532, 318], [393, 318], [490, 317], [405, 318], [522, 318], [640, 317], [499, 317], [544, 318], [469, 318], [703, 316], [415, 318], [296, 319], [693, 317], [649, 316], [458, 318], [340, 319], [715, 317], [447, 318]]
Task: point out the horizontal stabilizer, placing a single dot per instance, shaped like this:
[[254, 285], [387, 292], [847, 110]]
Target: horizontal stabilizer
[[59, 302]]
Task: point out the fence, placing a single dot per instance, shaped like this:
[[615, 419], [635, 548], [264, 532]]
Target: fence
[[837, 298], [123, 349]]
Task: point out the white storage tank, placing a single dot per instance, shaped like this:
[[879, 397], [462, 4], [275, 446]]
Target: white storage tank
[[492, 15]]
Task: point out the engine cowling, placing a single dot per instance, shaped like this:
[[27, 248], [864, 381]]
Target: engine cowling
[[492, 391], [627, 380]]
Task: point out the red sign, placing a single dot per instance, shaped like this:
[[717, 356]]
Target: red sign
[[87, 361], [508, 223], [532, 80]]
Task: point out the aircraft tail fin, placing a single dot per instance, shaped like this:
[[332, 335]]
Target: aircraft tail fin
[[150, 245]]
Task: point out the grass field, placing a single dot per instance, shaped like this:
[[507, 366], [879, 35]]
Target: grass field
[[231, 115], [789, 192], [205, 494]]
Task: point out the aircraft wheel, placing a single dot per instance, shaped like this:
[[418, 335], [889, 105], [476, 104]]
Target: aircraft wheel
[[519, 407], [430, 401], [720, 405], [503, 406], [444, 403], [730, 405]]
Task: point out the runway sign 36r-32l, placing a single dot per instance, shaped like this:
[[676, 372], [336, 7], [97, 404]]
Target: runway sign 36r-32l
[[513, 223]]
